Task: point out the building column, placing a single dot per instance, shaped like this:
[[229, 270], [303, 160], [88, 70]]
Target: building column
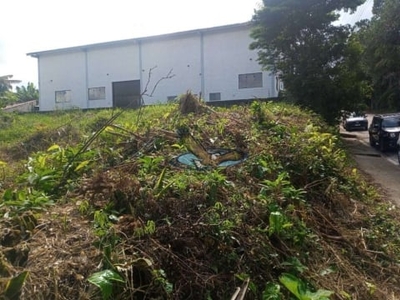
[[202, 77]]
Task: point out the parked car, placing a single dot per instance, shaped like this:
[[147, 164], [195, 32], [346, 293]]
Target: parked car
[[398, 151], [355, 121], [384, 131]]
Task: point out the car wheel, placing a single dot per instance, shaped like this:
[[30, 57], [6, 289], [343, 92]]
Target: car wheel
[[371, 141], [382, 146], [398, 154]]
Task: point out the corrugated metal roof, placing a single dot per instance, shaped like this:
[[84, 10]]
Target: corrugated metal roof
[[174, 35]]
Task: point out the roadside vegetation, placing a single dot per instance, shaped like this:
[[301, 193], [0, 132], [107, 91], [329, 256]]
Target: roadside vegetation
[[325, 65], [95, 205], [101, 204]]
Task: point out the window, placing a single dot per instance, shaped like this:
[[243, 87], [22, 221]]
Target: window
[[391, 122], [126, 94], [63, 96], [97, 93], [215, 96], [279, 84], [171, 98], [250, 80]]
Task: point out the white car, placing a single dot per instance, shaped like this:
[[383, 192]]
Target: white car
[[355, 121]]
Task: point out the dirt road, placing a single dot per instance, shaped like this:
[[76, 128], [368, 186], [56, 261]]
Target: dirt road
[[382, 168]]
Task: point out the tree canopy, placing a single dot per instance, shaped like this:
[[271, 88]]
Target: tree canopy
[[381, 58], [22, 93], [27, 93], [6, 83], [298, 41]]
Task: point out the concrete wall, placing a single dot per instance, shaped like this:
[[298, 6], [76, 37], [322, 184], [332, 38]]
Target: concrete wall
[[108, 65], [181, 57], [226, 55], [62, 72], [203, 61], [28, 106]]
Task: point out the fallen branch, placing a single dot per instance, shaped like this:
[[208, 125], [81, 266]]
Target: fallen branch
[[168, 76], [241, 291]]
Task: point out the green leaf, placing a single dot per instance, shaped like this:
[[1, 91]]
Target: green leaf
[[272, 292], [14, 286], [82, 165], [276, 222], [104, 281], [293, 284], [53, 147], [160, 180], [8, 195], [319, 295], [299, 288]]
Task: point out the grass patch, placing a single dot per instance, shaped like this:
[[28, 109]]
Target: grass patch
[[114, 215]]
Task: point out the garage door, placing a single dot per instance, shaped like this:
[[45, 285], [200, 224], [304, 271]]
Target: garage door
[[126, 94]]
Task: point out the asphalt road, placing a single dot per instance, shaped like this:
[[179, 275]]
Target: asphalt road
[[382, 168], [363, 137]]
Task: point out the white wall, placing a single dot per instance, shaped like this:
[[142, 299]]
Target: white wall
[[181, 56], [62, 72], [203, 61], [226, 55], [108, 65]]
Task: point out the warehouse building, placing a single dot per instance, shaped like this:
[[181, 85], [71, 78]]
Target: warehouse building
[[214, 63]]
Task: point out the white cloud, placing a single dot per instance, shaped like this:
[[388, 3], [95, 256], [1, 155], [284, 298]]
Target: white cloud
[[363, 12]]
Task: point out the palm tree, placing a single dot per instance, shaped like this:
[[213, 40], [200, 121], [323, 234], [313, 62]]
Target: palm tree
[[6, 83], [27, 93]]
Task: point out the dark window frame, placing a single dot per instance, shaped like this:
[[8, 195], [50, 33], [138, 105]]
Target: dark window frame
[[63, 96], [214, 96], [171, 98], [250, 80], [97, 93]]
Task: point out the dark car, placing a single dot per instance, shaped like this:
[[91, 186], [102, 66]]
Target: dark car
[[384, 131], [355, 121], [398, 151]]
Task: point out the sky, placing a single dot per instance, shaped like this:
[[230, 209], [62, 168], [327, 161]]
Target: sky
[[38, 25]]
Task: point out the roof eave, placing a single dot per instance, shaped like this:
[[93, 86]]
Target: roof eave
[[136, 40]]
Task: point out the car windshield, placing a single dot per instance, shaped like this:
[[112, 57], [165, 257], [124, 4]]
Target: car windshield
[[391, 122], [357, 114]]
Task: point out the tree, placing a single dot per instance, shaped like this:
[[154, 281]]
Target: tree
[[377, 6], [298, 41], [30, 92], [6, 83], [22, 94], [381, 39], [353, 82], [7, 97]]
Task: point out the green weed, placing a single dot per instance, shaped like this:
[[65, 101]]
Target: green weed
[[106, 280], [300, 290], [25, 200]]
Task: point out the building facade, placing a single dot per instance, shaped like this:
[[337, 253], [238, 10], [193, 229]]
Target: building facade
[[215, 63]]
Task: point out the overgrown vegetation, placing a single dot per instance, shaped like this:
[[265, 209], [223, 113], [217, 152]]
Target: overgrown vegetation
[[325, 65], [303, 44], [381, 54], [117, 216], [22, 93]]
